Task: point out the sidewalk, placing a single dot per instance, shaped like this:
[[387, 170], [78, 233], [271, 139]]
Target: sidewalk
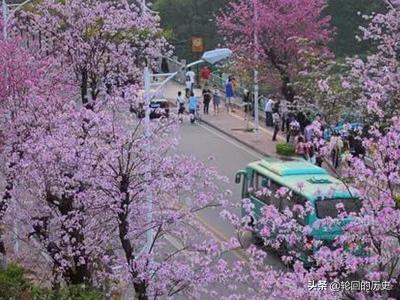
[[233, 124]]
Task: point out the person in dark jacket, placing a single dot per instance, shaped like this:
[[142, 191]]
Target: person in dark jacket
[[207, 95]]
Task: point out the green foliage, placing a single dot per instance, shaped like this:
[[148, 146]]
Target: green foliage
[[319, 86], [397, 200], [187, 18], [347, 18], [77, 293], [12, 283], [285, 149], [15, 285]]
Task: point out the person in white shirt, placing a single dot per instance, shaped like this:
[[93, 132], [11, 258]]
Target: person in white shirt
[[190, 77], [180, 103], [268, 112]]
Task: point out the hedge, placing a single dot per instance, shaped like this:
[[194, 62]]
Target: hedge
[[285, 149], [15, 286]]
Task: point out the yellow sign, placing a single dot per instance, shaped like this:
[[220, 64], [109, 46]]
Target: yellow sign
[[197, 44]]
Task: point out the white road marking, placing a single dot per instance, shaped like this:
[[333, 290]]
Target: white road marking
[[226, 139]]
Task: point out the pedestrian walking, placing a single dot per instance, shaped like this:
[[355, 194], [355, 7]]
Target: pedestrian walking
[[191, 77], [318, 155], [229, 94], [206, 99], [247, 104], [337, 147], [234, 84], [293, 132], [302, 119], [301, 147], [205, 75], [193, 104], [216, 100], [311, 155], [283, 111], [309, 133], [276, 118], [164, 65], [180, 103], [188, 87], [268, 112], [276, 106]]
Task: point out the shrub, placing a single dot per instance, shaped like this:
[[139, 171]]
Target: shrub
[[13, 283], [78, 292], [15, 286], [285, 149], [397, 200]]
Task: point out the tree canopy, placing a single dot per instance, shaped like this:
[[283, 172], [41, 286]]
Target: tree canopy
[[186, 18]]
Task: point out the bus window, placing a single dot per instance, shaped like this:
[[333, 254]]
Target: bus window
[[327, 207], [297, 200], [258, 183], [276, 201]]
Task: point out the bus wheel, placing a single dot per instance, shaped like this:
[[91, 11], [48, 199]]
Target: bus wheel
[[256, 239], [246, 238]]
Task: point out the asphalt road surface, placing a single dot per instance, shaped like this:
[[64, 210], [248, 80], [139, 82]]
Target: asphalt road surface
[[229, 156]]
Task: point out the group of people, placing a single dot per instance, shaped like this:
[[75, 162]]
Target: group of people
[[208, 94], [300, 133], [280, 115]]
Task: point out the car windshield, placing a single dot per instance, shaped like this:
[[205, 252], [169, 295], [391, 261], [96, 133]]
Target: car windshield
[[158, 103], [328, 207]]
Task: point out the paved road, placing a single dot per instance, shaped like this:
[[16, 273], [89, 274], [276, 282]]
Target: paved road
[[229, 156]]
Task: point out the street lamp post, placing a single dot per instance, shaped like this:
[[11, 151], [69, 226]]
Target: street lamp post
[[212, 57]]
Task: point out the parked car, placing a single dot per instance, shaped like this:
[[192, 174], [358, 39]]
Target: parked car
[[158, 108]]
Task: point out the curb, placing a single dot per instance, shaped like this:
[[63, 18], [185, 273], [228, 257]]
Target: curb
[[235, 138], [231, 135]]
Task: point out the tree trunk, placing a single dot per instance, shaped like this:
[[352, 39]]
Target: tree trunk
[[140, 290], [286, 88], [77, 273], [282, 68], [84, 87], [141, 286]]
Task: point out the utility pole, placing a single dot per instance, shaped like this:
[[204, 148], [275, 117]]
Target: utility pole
[[256, 87], [147, 129]]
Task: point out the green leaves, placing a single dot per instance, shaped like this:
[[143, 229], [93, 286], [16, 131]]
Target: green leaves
[[15, 285]]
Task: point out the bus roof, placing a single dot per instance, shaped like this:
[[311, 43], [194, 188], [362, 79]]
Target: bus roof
[[303, 178]]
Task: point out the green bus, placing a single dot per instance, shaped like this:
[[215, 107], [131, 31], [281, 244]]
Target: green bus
[[307, 183]]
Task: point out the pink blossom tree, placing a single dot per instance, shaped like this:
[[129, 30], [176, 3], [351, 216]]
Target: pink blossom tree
[[368, 249], [104, 44], [277, 24], [80, 179], [19, 73]]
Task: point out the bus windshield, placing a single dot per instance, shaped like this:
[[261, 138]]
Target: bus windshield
[[328, 207]]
